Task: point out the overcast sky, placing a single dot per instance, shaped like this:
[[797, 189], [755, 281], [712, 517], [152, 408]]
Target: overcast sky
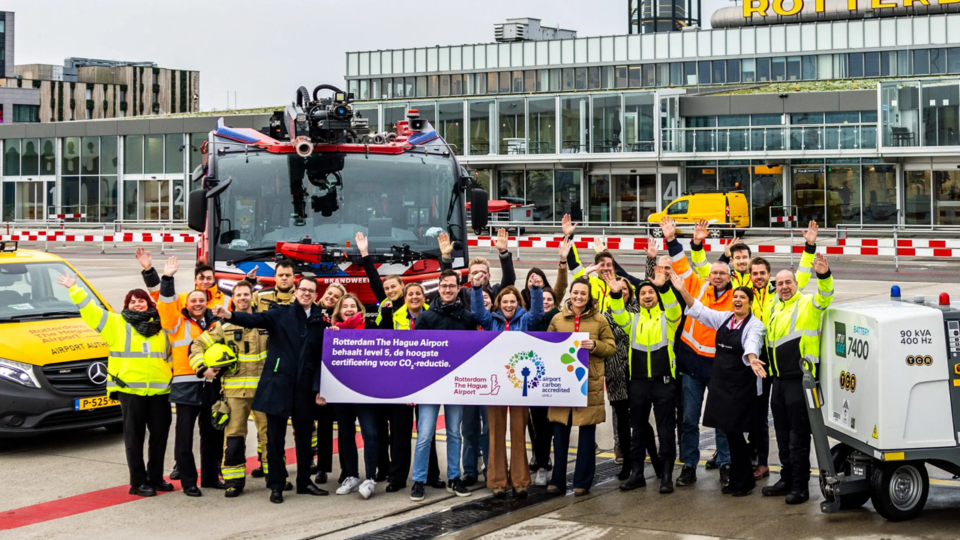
[[264, 50]]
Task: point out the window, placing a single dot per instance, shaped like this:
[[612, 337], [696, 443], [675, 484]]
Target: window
[[173, 153], [778, 69], [26, 113], [793, 68], [921, 62], [719, 73], [607, 79], [938, 61], [733, 71], [856, 65], [492, 83], [517, 82], [568, 79], [444, 85], [749, 70], [690, 73], [621, 74], [678, 207], [89, 93], [530, 81], [593, 78], [704, 72], [763, 70], [635, 76], [676, 74], [11, 157], [505, 83], [871, 64], [809, 67], [153, 156], [581, 83], [649, 75], [888, 63], [555, 80], [70, 160]]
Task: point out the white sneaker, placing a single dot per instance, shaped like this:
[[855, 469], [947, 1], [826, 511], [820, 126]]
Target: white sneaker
[[542, 478], [367, 488], [351, 484]]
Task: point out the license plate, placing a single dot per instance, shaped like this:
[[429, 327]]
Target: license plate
[[85, 404]]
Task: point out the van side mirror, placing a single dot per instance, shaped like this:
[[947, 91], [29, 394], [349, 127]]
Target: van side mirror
[[197, 213], [479, 213]]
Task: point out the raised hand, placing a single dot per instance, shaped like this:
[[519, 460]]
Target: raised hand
[[676, 280], [477, 281], [362, 244], [67, 280], [652, 248], [221, 312], [144, 258], [565, 246], [659, 277], [820, 264], [171, 266], [537, 280], [598, 245], [810, 235], [729, 245], [669, 228], [252, 275], [613, 282], [700, 231], [591, 269], [386, 303], [501, 242], [446, 246], [568, 226]]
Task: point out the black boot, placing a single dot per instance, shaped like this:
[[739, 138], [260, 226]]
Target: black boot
[[778, 489], [712, 462], [657, 464], [666, 482], [635, 480]]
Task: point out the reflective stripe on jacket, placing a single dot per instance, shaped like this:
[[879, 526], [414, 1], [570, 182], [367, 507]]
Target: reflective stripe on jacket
[[598, 287], [250, 346], [181, 331], [793, 329], [142, 364], [651, 334], [698, 336]]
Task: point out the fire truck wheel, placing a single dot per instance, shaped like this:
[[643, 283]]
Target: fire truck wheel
[[850, 501], [899, 489]]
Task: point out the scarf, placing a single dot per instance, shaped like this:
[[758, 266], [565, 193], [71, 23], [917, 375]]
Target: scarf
[[146, 323]]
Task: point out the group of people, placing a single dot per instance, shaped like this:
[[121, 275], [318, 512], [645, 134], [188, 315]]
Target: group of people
[[728, 330]]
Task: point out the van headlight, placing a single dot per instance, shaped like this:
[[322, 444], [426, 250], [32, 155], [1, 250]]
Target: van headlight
[[18, 372]]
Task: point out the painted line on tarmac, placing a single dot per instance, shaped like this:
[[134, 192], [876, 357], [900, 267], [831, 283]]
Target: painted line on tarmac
[[106, 498]]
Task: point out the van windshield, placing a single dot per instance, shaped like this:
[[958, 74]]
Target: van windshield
[[678, 207], [30, 291]]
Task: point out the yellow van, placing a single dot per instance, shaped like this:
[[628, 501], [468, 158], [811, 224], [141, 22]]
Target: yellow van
[[722, 209], [53, 367]]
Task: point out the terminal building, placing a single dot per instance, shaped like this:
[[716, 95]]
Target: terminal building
[[843, 117]]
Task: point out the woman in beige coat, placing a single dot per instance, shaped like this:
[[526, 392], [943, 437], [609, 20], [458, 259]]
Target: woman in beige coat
[[579, 314]]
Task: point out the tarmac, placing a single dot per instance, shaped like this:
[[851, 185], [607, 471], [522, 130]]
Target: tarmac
[[73, 485]]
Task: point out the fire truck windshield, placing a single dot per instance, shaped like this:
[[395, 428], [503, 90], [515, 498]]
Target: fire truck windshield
[[392, 199]]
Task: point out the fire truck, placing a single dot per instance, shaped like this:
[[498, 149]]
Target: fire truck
[[302, 188]]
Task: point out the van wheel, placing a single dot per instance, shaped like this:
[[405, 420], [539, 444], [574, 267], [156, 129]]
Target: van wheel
[[714, 233], [899, 489], [850, 501], [656, 232]]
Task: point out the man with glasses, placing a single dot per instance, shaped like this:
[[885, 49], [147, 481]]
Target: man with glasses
[[290, 381], [696, 349], [447, 312]]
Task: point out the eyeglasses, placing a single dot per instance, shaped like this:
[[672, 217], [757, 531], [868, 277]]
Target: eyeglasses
[[307, 291]]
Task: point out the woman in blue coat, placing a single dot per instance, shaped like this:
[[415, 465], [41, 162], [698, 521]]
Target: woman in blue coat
[[508, 315]]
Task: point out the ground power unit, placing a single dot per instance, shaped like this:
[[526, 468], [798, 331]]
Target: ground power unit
[[888, 390]]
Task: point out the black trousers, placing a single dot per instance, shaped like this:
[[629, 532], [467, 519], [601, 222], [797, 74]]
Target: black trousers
[[400, 419], [678, 389], [759, 441], [644, 394], [741, 471], [383, 435], [276, 440], [324, 415], [792, 425], [541, 435], [139, 414], [347, 416], [211, 446]]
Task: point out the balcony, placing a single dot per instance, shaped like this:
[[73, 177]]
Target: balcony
[[764, 140]]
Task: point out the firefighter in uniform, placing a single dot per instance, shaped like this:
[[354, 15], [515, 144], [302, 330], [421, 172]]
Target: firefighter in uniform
[[239, 384], [651, 333], [793, 332]]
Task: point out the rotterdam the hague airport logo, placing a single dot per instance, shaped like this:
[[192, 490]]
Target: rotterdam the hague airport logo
[[840, 335], [519, 371]]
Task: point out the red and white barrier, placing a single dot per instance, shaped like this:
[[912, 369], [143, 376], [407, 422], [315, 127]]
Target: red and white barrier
[[60, 236], [783, 219], [66, 216]]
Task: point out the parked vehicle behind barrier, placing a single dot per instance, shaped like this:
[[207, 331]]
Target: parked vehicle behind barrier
[[722, 209]]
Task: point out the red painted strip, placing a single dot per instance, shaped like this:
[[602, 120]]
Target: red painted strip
[[525, 243], [904, 243], [765, 249], [105, 498], [834, 250], [938, 243], [907, 252], [870, 242], [942, 252], [869, 251]]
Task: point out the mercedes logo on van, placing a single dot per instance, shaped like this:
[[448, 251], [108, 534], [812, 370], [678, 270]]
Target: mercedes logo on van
[[97, 373]]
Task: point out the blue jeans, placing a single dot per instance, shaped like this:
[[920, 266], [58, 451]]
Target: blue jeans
[[426, 428], [347, 415], [475, 438], [693, 390]]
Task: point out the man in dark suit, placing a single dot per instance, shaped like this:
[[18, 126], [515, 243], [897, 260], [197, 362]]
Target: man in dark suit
[[290, 381]]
